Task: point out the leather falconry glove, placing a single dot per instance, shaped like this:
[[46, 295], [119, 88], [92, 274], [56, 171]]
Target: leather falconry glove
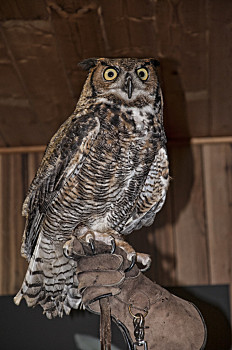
[[148, 315]]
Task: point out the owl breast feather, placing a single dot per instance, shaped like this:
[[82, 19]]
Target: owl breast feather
[[104, 193]]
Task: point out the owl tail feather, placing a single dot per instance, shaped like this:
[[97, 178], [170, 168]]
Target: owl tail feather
[[50, 280]]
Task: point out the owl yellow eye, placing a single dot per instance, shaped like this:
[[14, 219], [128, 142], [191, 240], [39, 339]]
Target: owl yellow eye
[[110, 74], [142, 73]]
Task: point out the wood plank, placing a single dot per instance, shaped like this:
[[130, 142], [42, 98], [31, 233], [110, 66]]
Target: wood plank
[[218, 189], [69, 45], [78, 16], [23, 9], [2, 140], [34, 52], [175, 111], [16, 173], [188, 215], [72, 8], [220, 47], [141, 22], [23, 149], [201, 140], [164, 244], [12, 100], [32, 9], [210, 140], [91, 36], [183, 37], [13, 88], [9, 10], [116, 29], [19, 128], [1, 226], [12, 265]]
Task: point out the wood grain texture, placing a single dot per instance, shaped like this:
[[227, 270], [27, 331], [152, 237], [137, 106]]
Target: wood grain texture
[[41, 74], [188, 215], [22, 9], [218, 190], [24, 121], [12, 265], [22, 149], [183, 48], [164, 246], [68, 40], [16, 171], [44, 41], [220, 46]]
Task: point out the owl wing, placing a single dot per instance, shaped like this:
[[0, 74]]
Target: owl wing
[[64, 154], [152, 195]]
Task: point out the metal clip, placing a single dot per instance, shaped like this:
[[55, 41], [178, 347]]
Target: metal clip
[[143, 343], [139, 326]]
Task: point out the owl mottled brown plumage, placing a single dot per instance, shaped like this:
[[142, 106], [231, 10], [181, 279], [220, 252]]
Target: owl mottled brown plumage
[[104, 172]]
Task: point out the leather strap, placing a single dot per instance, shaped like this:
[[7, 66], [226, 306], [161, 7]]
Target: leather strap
[[105, 324]]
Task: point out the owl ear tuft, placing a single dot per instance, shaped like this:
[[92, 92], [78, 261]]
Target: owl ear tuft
[[155, 62], [88, 63]]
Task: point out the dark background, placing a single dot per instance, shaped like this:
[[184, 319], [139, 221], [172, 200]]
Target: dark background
[[24, 328]]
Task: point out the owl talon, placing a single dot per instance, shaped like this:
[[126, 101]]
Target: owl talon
[[66, 250], [145, 268], [66, 255], [145, 260], [92, 246], [113, 246], [133, 260]]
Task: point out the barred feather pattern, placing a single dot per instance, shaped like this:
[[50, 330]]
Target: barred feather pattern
[[106, 168]]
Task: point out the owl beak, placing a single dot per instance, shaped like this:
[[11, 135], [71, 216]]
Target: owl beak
[[129, 86]]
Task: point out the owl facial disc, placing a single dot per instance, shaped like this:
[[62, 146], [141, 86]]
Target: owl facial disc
[[129, 85]]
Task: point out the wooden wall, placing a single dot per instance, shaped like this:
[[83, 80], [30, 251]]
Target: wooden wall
[[16, 173], [41, 43], [191, 239]]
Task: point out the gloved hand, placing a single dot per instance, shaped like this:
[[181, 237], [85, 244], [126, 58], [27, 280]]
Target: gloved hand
[[170, 322]]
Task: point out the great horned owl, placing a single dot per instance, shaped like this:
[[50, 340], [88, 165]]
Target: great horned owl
[[105, 171]]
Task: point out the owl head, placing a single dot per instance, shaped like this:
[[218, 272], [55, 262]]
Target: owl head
[[123, 78]]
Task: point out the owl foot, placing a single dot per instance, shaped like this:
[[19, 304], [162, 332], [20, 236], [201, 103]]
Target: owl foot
[[133, 256], [133, 261], [68, 247], [111, 239]]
